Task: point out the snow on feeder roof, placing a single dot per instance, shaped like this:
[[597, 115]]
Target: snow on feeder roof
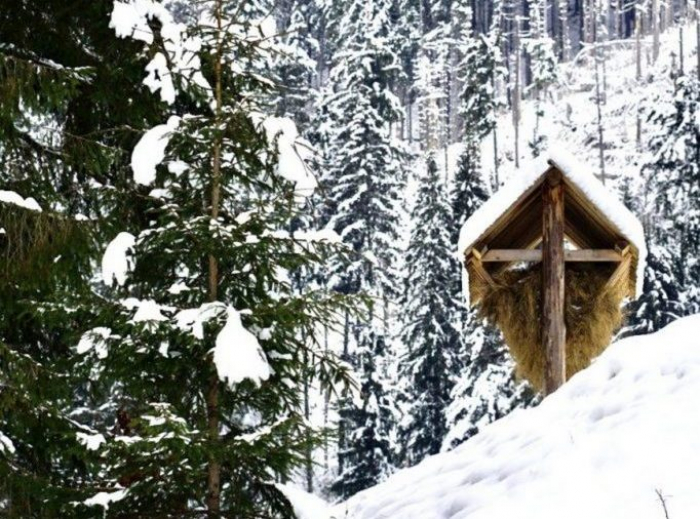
[[586, 253]]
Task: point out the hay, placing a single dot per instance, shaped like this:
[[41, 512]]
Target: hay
[[593, 314]]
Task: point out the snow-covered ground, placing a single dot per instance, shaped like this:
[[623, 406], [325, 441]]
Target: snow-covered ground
[[620, 440]]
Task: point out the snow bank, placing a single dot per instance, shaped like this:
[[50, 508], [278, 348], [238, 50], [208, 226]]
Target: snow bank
[[602, 446], [625, 223], [306, 506]]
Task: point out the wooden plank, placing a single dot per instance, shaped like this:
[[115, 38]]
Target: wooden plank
[[511, 255], [553, 326], [621, 270], [593, 255], [480, 271], [535, 255]]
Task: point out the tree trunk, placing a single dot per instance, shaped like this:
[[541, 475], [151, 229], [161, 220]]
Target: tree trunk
[[655, 26], [214, 467], [516, 89], [553, 326], [638, 37], [599, 102]]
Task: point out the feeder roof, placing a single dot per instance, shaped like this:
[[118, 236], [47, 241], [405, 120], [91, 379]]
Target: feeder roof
[[595, 217]]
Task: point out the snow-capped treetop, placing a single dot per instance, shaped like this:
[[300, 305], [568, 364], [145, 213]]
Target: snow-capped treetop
[[605, 442], [619, 216]]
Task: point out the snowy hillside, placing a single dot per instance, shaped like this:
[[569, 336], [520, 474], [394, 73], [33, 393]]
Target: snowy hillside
[[608, 444]]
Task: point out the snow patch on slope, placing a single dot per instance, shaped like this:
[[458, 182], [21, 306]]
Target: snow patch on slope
[[601, 446]]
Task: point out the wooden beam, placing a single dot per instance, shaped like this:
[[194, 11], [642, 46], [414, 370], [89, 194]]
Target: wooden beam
[[480, 271], [509, 255], [535, 255], [553, 326], [593, 255]]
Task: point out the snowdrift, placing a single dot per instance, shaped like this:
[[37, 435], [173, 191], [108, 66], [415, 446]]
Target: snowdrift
[[608, 444]]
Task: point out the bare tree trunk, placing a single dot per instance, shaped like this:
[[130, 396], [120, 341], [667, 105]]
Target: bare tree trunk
[[214, 467], [565, 40], [516, 88], [309, 467], [697, 35], [638, 37], [655, 27], [681, 50], [601, 140], [326, 403]]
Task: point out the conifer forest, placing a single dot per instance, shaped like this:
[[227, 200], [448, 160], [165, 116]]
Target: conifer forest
[[229, 274]]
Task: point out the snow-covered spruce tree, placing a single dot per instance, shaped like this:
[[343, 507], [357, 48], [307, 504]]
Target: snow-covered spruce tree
[[431, 319], [203, 345], [370, 417], [480, 69], [675, 177], [660, 304], [296, 68], [64, 103], [541, 50], [487, 390], [364, 185]]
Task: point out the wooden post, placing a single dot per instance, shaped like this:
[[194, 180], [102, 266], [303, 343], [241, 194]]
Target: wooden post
[[553, 326]]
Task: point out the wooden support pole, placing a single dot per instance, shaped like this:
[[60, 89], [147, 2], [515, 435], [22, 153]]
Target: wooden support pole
[[553, 326]]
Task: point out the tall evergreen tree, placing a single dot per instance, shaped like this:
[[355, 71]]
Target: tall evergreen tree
[[675, 177], [660, 303], [368, 452], [203, 343], [67, 97], [431, 316], [365, 180]]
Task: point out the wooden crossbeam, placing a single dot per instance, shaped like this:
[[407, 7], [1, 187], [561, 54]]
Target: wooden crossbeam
[[535, 255]]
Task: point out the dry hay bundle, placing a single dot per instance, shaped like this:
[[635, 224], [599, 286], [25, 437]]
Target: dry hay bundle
[[593, 313]]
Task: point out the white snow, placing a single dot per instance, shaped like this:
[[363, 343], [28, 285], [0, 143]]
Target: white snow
[[192, 319], [10, 197], [237, 354], [117, 260], [625, 223], [305, 505], [150, 151], [601, 446], [92, 442], [104, 499], [6, 444], [148, 311], [159, 78], [129, 20], [292, 152], [95, 339]]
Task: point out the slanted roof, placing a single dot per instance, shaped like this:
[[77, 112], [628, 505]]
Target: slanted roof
[[595, 218]]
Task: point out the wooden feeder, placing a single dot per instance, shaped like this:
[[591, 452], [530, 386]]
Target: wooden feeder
[[552, 219]]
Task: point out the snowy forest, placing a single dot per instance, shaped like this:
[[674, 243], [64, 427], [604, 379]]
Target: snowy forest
[[228, 231]]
